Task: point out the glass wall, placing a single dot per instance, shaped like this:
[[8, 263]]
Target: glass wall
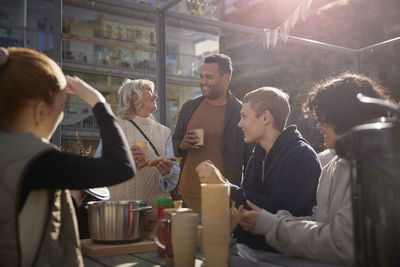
[[104, 39], [41, 16], [177, 95], [186, 50], [11, 29], [36, 34], [78, 115], [105, 43], [94, 40]]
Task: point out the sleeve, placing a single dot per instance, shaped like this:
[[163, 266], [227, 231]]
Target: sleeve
[[98, 150], [329, 241], [59, 170], [179, 133], [295, 188], [169, 181]]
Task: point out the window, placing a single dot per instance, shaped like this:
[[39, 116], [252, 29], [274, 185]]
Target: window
[[138, 34], [172, 58], [102, 54], [45, 35], [131, 34], [152, 40]]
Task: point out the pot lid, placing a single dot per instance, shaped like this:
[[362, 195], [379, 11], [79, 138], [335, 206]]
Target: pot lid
[[101, 193]]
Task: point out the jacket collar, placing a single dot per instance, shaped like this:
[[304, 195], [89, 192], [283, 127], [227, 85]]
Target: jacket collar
[[288, 136]]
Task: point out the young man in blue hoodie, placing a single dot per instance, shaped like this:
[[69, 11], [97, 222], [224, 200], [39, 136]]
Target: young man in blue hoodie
[[283, 170]]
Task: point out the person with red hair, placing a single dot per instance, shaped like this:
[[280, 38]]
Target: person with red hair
[[37, 223]]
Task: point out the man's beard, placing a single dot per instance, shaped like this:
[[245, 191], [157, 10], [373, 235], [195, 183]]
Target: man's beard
[[213, 94]]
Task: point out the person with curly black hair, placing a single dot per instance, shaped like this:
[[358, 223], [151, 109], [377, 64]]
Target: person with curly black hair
[[327, 235]]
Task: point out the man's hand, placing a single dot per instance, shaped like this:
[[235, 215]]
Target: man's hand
[[208, 173], [138, 155], [249, 219], [190, 140], [164, 166]]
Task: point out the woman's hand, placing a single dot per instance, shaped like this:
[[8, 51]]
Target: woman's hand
[[138, 155], [249, 219], [208, 173], [81, 89], [164, 166]]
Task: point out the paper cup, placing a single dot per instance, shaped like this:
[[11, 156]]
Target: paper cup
[[143, 145], [178, 204], [184, 238], [200, 133]]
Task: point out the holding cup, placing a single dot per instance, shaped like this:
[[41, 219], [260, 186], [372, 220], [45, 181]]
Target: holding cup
[[200, 133], [143, 145], [139, 155]]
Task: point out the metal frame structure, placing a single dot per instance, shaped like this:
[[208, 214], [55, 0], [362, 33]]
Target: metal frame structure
[[164, 16]]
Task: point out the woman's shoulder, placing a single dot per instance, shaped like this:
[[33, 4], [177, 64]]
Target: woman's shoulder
[[123, 121], [338, 166], [24, 143], [161, 127]]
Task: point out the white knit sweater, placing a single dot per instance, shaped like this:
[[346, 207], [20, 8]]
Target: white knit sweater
[[145, 184]]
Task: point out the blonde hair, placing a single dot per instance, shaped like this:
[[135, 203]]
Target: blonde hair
[[129, 95], [272, 99]]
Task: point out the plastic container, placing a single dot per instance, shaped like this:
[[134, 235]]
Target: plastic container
[[162, 203]]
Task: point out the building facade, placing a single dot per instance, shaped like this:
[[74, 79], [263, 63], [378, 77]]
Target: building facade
[[104, 42]]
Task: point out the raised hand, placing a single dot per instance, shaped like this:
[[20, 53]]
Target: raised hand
[[87, 93], [208, 173]]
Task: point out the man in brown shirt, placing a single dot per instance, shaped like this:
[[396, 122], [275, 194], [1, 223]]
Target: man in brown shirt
[[217, 112]]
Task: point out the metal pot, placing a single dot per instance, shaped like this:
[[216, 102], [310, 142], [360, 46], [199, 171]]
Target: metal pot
[[116, 222]]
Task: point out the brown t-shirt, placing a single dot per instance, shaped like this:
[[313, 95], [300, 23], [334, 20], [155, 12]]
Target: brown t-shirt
[[211, 119]]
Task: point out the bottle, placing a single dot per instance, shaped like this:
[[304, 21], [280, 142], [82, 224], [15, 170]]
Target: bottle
[[162, 203]]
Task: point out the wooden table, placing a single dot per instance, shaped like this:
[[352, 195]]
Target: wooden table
[[150, 259], [143, 259], [143, 254]]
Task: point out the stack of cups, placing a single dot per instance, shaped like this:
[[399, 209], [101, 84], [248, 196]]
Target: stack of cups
[[169, 259], [184, 238], [215, 221]]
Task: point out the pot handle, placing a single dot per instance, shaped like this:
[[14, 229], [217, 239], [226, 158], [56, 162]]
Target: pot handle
[[142, 208]]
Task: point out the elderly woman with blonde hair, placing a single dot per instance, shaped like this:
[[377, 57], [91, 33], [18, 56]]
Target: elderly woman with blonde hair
[[136, 103]]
